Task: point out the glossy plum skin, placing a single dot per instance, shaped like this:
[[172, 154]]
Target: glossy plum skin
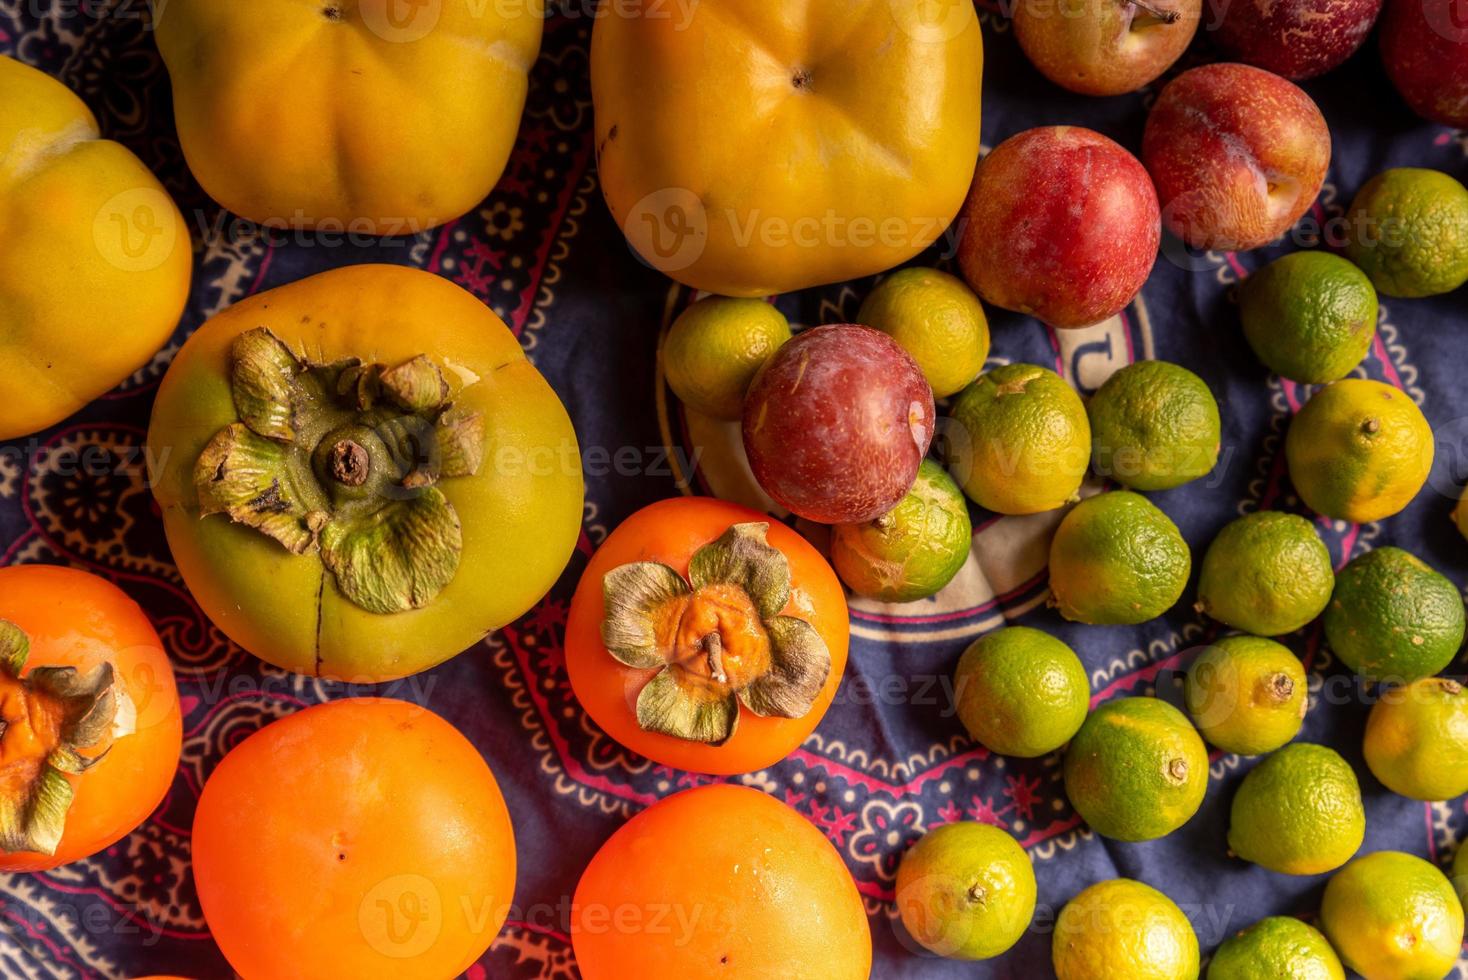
[[1298, 39], [1062, 224], [837, 423], [1238, 155], [1424, 44]]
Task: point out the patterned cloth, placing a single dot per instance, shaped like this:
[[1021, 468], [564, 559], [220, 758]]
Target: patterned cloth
[[890, 759]]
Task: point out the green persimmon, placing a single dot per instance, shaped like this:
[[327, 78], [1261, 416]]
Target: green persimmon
[[361, 474]]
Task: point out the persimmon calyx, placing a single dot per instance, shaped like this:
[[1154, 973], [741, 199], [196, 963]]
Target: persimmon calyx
[[344, 460], [717, 639], [55, 722]]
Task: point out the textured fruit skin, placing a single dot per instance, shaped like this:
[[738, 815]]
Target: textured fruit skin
[[1297, 39], [525, 501], [1098, 47], [937, 319], [1393, 616], [1136, 770], [1408, 230], [1022, 442], [913, 550], [966, 890], [748, 888], [1021, 692], [1298, 812], [721, 116], [450, 82], [1309, 316], [1116, 559], [1247, 694], [75, 619], [314, 829], [1424, 44], [1359, 450], [1267, 573], [1460, 872], [1123, 928], [1417, 739], [87, 300], [1392, 915], [837, 423], [715, 348], [1062, 223], [1154, 426], [670, 531], [1212, 132], [1280, 948]]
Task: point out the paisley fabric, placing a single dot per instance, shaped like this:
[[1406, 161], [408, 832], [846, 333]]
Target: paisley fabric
[[891, 760]]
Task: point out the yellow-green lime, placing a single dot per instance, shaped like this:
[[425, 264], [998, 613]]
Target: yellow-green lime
[[1298, 812], [1154, 426], [966, 890], [1022, 443], [1359, 451], [1247, 694], [715, 348], [1276, 948], [1393, 916], [1116, 559], [1123, 929], [1309, 316], [1417, 739], [911, 551], [1266, 573], [1392, 616], [1460, 513], [937, 319], [1409, 232], [1136, 770], [1460, 872], [1021, 692]]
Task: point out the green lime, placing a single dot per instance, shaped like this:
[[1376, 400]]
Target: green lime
[[1117, 560], [1136, 770], [1021, 692], [1409, 232], [1392, 616], [1298, 812], [1247, 694], [1154, 426], [911, 551], [1022, 444], [1393, 915], [966, 890], [1309, 316], [1266, 573], [937, 319], [1460, 872], [1417, 739], [1278, 948], [1359, 450], [1123, 928], [716, 347]]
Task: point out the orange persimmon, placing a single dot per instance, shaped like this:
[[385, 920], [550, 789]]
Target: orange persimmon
[[730, 635], [358, 838], [720, 881], [89, 719]]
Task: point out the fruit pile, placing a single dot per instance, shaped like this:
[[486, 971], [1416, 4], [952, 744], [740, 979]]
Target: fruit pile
[[360, 474]]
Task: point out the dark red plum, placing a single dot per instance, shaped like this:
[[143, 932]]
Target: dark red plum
[[837, 423]]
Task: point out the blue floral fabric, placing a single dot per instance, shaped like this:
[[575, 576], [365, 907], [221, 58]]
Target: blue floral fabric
[[890, 760]]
